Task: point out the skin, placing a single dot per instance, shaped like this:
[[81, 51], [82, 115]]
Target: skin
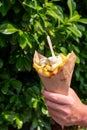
[[66, 110]]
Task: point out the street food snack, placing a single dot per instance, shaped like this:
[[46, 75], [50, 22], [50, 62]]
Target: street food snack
[[55, 71], [49, 66]]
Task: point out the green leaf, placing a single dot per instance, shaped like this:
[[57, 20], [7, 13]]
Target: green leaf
[[27, 64], [5, 88], [4, 7], [31, 92], [13, 99], [34, 123], [77, 73], [53, 14], [28, 38], [38, 27], [72, 6], [22, 41], [19, 123], [7, 28], [36, 90], [9, 116], [35, 103], [36, 38], [77, 60], [76, 48], [81, 27], [33, 5], [45, 111], [19, 63], [41, 45], [63, 50], [83, 20], [75, 31], [16, 84], [75, 17], [25, 39], [12, 1]]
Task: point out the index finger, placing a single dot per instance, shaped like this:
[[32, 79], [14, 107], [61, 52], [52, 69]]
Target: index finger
[[55, 97]]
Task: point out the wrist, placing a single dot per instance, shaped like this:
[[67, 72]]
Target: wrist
[[83, 116]]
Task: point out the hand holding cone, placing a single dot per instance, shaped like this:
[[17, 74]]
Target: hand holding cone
[[55, 72]]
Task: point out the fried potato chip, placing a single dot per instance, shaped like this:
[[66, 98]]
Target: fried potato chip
[[49, 66]]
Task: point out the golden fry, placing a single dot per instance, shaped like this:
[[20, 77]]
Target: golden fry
[[44, 68]]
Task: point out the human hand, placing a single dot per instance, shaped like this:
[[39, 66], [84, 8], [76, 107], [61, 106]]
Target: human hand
[[66, 110]]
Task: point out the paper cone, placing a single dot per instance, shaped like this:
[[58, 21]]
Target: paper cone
[[60, 82]]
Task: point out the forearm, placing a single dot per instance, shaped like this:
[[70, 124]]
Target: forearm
[[83, 121]]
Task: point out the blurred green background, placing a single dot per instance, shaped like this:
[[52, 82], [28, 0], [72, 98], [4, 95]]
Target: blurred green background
[[24, 25]]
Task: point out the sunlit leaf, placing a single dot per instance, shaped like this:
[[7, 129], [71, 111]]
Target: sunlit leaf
[[77, 60], [45, 111], [33, 6], [72, 6], [4, 7], [53, 14], [19, 123], [76, 48], [7, 28], [75, 31], [25, 40], [83, 20], [63, 50], [74, 18]]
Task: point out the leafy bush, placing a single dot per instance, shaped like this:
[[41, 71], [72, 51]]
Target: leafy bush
[[24, 25]]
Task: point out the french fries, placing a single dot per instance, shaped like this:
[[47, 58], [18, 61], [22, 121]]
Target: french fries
[[49, 66]]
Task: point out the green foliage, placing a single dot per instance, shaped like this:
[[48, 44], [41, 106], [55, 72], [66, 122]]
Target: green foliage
[[24, 25]]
